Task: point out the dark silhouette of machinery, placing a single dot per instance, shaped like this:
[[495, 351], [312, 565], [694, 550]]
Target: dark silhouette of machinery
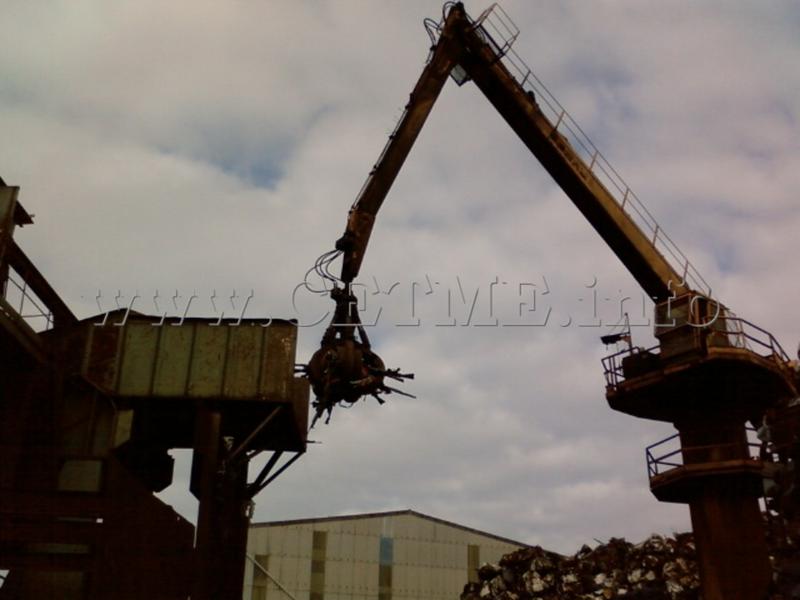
[[89, 410], [711, 371], [88, 413]]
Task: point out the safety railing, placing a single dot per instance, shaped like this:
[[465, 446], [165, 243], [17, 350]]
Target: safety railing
[[667, 454], [28, 303], [595, 161], [744, 334], [499, 32], [18, 295], [724, 331], [612, 364], [498, 28]]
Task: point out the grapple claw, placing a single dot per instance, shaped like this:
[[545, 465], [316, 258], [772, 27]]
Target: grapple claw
[[344, 368]]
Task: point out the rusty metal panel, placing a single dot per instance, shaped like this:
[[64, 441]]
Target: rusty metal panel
[[123, 426], [278, 359], [81, 475], [248, 365], [8, 201], [197, 359], [138, 355], [208, 361], [171, 375], [100, 364], [243, 362], [300, 403]]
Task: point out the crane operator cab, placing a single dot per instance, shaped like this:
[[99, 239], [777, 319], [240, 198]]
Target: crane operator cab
[[685, 324], [691, 322]]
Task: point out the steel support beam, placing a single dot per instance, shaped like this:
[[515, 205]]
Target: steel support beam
[[223, 517]]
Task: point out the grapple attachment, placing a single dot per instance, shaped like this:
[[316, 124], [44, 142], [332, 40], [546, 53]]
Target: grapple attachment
[[345, 369]]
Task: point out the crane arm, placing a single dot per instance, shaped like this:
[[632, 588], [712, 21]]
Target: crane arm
[[344, 369], [520, 110], [444, 56], [463, 44]]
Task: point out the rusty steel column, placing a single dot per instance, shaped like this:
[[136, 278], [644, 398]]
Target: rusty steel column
[[205, 462], [223, 516], [709, 385], [229, 538], [726, 518], [731, 547]]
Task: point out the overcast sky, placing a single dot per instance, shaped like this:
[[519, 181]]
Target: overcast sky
[[218, 145]]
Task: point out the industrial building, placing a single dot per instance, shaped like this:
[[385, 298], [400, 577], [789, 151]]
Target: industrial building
[[377, 556]]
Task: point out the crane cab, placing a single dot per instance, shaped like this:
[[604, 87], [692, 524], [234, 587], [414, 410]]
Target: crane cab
[[693, 322]]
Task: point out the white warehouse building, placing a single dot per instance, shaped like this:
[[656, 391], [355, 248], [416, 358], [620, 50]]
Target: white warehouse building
[[394, 555]]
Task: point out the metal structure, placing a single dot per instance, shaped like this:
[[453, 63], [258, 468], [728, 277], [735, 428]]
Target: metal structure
[[710, 373], [88, 413]]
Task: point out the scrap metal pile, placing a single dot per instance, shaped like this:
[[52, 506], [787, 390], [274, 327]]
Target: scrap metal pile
[[660, 568], [781, 436]]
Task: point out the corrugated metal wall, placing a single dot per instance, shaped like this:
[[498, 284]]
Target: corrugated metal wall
[[426, 559]]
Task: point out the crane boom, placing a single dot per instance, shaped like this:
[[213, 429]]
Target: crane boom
[[344, 368], [465, 44], [519, 109], [444, 56]]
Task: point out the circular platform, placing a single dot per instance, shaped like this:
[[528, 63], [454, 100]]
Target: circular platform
[[733, 381]]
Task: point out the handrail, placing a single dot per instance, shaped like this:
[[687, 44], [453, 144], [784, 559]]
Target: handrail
[[597, 164], [674, 458], [34, 289], [612, 364], [742, 335], [496, 19], [28, 300], [736, 333], [494, 24]]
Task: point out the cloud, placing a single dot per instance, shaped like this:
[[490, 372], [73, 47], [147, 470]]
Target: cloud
[[218, 146]]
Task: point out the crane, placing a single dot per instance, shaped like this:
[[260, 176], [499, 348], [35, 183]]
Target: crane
[[466, 50], [704, 377]]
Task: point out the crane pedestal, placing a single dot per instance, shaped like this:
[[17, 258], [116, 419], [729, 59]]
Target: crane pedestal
[[708, 382], [731, 546], [721, 482]]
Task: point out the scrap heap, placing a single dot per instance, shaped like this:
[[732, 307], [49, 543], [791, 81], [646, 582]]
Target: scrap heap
[[660, 568], [781, 449]]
